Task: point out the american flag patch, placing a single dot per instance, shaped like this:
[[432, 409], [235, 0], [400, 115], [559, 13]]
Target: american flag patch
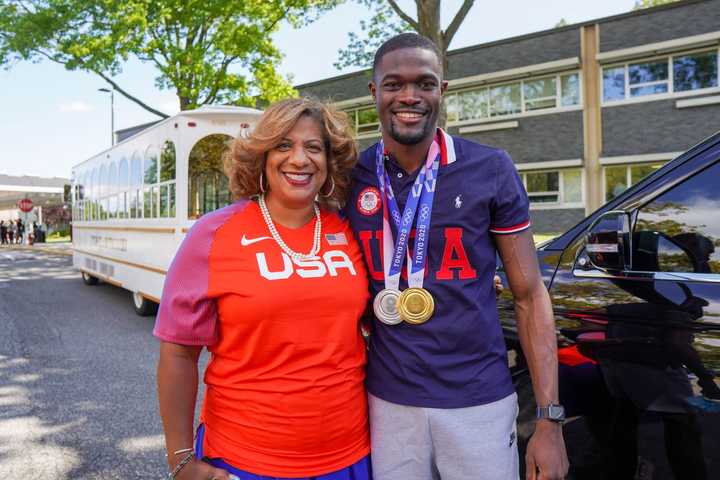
[[336, 238]]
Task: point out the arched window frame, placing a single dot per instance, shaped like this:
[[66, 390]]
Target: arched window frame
[[208, 191]]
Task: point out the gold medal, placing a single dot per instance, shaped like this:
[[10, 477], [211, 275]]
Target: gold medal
[[415, 305]]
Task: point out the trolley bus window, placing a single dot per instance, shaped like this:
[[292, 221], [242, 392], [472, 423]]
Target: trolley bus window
[[167, 180], [93, 195], [123, 185], [112, 190], [207, 184], [167, 162], [103, 184], [135, 186], [150, 207]]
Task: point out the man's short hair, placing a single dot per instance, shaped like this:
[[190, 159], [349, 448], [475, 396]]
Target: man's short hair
[[406, 40]]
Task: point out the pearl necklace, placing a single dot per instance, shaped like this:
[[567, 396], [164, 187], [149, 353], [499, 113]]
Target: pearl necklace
[[276, 236]]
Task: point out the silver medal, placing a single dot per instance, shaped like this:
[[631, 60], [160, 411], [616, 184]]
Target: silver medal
[[385, 306]]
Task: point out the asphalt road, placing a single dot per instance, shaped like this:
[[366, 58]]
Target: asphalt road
[[77, 376]]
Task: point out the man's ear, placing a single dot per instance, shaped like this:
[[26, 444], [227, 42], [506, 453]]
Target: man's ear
[[373, 90], [443, 86]]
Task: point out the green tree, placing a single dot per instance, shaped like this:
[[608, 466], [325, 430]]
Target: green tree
[[207, 51], [639, 4], [389, 19]]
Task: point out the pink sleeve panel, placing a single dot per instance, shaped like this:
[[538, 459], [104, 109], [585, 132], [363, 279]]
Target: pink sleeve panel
[[187, 315]]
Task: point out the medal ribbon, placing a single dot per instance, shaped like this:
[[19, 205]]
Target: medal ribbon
[[422, 192]]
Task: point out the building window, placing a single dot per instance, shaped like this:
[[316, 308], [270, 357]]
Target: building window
[[690, 72], [648, 78], [570, 90], [696, 71], [505, 100], [540, 94], [559, 188], [514, 98], [613, 84], [543, 187], [617, 179], [364, 120], [472, 104]]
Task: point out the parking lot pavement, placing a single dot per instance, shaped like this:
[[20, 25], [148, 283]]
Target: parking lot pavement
[[77, 375]]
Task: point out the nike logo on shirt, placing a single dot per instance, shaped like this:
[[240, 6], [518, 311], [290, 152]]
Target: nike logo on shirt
[[244, 241]]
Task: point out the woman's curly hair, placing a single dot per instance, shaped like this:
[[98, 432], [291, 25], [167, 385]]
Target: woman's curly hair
[[245, 160]]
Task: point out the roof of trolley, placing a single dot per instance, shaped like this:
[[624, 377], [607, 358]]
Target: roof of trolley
[[204, 110]]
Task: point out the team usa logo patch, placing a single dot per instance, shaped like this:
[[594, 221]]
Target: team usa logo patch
[[368, 202]]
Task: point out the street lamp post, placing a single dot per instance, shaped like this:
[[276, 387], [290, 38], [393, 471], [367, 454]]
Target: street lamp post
[[112, 112]]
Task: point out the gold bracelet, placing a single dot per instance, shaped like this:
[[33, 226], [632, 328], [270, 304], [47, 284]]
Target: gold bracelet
[[183, 450]]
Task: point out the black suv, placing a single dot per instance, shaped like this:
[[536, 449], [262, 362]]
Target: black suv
[[636, 294]]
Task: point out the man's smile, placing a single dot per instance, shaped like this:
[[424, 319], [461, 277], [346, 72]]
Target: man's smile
[[409, 116]]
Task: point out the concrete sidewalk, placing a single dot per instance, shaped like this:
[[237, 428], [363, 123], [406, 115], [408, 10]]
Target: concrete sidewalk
[[59, 248]]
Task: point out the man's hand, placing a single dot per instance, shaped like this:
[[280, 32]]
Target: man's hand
[[546, 458], [498, 285]]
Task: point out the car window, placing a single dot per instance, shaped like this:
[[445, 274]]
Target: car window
[[679, 231]]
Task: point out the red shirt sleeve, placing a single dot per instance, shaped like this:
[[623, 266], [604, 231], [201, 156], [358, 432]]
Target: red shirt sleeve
[[188, 315]]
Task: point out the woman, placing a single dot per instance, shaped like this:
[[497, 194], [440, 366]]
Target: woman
[[274, 285]]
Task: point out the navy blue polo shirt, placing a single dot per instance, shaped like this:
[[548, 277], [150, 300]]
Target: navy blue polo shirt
[[458, 358]]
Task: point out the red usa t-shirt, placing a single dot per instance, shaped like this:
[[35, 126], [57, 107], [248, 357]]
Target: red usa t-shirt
[[285, 394]]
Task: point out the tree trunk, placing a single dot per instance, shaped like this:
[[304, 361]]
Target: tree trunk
[[185, 102], [428, 12]]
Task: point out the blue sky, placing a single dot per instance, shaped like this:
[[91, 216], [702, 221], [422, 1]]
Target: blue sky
[[54, 119]]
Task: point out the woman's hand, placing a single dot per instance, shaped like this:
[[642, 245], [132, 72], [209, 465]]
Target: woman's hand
[[199, 470]]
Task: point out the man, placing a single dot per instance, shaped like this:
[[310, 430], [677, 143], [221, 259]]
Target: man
[[442, 403]]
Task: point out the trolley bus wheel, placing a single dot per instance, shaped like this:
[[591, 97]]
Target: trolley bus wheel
[[143, 306], [89, 279]]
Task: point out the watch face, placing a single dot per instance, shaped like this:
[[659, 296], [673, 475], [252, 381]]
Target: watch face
[[556, 412]]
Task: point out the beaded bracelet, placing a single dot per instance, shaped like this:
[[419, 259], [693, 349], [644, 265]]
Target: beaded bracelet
[[188, 458]]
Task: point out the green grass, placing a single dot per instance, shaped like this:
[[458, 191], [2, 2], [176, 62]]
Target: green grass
[[57, 238]]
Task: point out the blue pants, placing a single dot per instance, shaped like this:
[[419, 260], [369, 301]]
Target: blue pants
[[360, 470]]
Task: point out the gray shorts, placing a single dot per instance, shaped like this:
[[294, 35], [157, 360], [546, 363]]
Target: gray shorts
[[418, 443]]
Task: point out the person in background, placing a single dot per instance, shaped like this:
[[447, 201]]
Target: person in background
[[12, 231], [36, 232], [3, 232], [20, 231], [274, 286]]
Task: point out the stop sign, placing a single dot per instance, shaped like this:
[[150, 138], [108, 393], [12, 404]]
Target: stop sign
[[25, 205]]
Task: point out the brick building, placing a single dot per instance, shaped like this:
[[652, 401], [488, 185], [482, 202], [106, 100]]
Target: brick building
[[585, 110]]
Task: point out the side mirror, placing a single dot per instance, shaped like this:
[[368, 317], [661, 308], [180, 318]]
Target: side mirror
[[608, 242]]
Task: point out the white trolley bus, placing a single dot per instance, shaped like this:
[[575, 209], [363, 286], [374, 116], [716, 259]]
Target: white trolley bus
[[134, 203]]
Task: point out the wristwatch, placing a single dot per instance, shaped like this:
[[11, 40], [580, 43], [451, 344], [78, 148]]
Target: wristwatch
[[553, 412]]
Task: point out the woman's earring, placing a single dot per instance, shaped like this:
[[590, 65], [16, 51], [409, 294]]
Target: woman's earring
[[332, 188], [262, 187]]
